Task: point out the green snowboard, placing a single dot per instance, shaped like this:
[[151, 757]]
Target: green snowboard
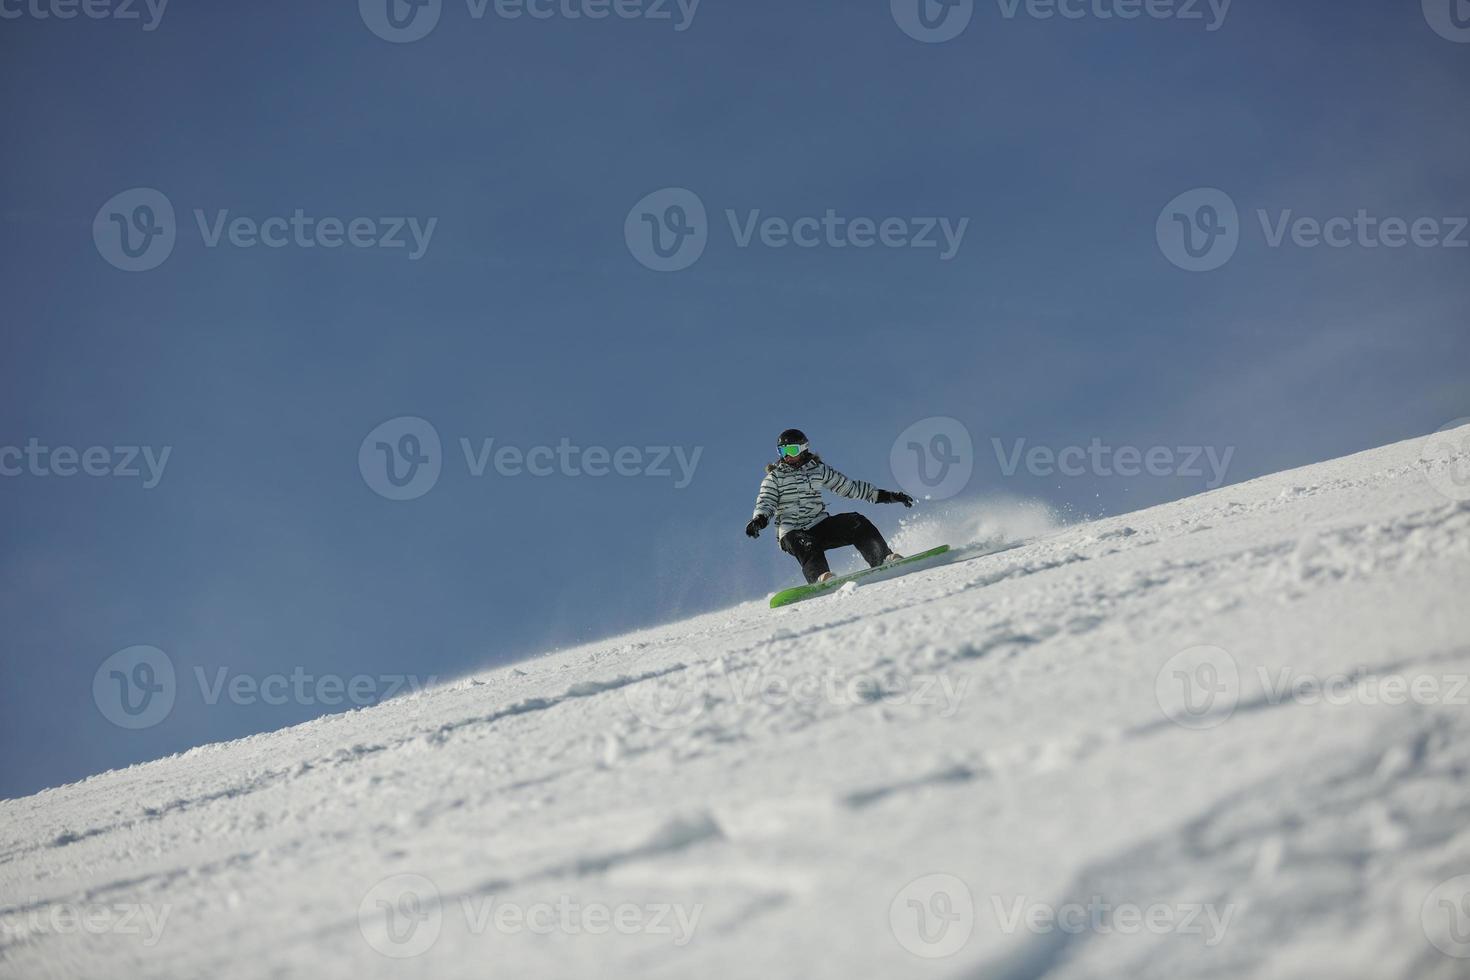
[[788, 596]]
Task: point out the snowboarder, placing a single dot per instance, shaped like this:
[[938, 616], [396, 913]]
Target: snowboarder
[[792, 493]]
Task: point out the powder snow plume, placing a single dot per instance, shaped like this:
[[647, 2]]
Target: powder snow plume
[[990, 522]]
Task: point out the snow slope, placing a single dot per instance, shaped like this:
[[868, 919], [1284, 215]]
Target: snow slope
[[909, 779]]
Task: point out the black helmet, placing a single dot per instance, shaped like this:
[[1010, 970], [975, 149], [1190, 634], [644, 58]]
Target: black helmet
[[791, 437]]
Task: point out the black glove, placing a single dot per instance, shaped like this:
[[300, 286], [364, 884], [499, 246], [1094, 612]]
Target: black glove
[[753, 529], [895, 497]]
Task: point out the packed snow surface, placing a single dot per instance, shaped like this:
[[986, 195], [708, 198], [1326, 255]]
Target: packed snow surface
[[1226, 736]]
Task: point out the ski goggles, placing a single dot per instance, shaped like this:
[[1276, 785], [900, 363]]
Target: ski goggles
[[791, 452]]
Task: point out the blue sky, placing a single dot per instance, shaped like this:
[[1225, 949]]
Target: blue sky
[[528, 319]]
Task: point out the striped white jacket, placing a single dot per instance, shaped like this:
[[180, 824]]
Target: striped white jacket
[[793, 494]]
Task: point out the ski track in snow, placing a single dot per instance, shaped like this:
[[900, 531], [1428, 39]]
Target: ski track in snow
[[994, 719]]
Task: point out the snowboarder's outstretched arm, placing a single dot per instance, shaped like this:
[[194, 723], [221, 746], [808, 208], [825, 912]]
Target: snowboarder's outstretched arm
[[846, 486], [859, 490]]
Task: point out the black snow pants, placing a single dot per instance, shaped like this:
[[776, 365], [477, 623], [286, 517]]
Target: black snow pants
[[837, 531]]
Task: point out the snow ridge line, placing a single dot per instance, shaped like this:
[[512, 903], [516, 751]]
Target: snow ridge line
[[149, 814], [674, 836], [581, 689]]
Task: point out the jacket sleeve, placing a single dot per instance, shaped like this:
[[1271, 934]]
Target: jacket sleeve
[[848, 487], [765, 500]]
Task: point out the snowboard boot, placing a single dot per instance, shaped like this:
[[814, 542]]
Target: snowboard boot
[[892, 557], [825, 577]]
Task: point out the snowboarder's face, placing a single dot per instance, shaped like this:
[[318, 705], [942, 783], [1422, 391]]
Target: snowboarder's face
[[795, 455]]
